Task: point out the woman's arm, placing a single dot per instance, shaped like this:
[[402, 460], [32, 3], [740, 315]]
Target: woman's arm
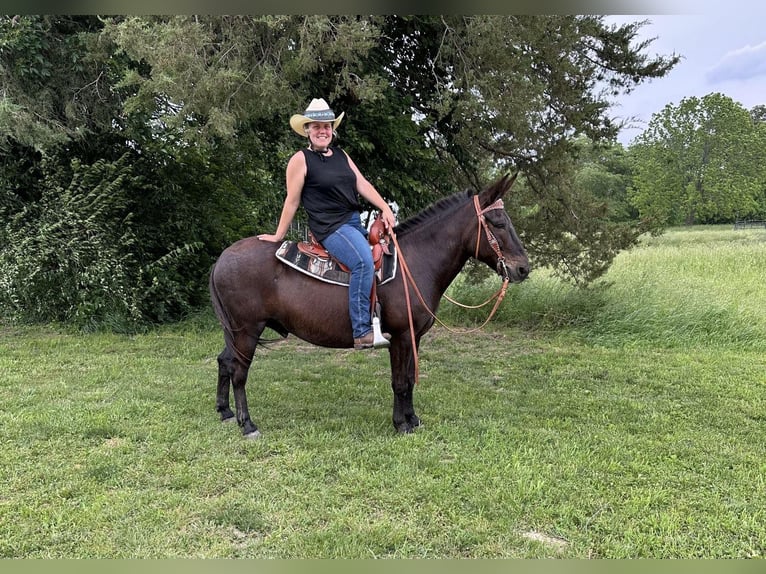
[[295, 176], [368, 191]]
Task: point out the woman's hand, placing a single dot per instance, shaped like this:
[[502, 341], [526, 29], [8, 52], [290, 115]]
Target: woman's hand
[[388, 218], [269, 237]]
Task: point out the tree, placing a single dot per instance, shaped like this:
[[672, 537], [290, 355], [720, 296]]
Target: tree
[[55, 84], [758, 113], [179, 205], [700, 161], [434, 104], [605, 172]]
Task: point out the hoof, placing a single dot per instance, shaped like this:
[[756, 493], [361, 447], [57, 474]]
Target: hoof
[[230, 419], [408, 427], [405, 429], [253, 435]]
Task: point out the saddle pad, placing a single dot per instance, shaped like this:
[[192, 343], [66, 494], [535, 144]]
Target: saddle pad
[[328, 270]]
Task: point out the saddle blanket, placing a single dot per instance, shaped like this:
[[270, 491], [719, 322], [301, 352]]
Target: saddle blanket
[[328, 269]]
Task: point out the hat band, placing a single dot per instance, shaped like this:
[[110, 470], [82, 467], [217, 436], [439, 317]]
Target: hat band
[[327, 115]]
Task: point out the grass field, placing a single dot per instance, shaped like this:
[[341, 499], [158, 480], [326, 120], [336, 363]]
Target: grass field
[[627, 420]]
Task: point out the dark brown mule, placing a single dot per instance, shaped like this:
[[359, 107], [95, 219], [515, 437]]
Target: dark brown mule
[[252, 290]]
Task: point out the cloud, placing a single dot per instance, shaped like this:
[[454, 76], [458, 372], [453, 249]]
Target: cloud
[[743, 64]]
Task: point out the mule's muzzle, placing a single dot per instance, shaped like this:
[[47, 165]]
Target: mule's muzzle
[[515, 272]]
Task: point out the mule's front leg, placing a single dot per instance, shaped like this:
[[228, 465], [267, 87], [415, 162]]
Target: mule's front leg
[[404, 418], [402, 383]]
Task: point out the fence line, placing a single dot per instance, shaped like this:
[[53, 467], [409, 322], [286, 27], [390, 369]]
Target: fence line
[[749, 223]]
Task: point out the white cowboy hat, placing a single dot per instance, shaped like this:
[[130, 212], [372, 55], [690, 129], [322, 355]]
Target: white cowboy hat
[[318, 111]]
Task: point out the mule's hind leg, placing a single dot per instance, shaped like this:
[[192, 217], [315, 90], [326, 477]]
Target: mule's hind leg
[[240, 401], [226, 363], [243, 355]]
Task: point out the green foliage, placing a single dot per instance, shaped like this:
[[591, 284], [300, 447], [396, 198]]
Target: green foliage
[[56, 85], [675, 290], [700, 161], [68, 257], [74, 254], [201, 104], [582, 215], [433, 103], [605, 171], [504, 96]]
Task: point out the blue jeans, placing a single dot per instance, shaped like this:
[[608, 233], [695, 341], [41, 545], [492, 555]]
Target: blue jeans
[[349, 245]]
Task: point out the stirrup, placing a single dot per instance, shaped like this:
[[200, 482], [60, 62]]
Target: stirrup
[[378, 340]]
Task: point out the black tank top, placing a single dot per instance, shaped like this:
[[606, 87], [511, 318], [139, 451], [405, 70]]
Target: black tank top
[[329, 192]]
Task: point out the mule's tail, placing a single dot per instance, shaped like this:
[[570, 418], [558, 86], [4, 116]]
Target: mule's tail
[[224, 319]]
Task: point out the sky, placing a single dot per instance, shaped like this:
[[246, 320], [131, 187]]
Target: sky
[[722, 50]]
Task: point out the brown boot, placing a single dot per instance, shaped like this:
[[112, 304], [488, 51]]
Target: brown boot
[[366, 341]]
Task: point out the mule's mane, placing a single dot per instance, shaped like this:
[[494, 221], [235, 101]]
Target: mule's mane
[[435, 211]]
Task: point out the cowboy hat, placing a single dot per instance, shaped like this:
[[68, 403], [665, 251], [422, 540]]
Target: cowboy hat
[[318, 111]]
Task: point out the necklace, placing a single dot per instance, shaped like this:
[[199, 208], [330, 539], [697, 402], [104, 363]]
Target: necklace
[[323, 152]]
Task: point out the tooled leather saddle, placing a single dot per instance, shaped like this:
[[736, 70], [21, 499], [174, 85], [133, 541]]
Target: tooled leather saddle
[[311, 258]]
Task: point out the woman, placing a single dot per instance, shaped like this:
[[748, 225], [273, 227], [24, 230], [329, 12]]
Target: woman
[[328, 184]]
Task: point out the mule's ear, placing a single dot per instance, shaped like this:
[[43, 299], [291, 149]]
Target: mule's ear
[[498, 189]]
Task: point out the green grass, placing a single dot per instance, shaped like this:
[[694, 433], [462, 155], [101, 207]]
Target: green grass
[[624, 421], [698, 285]]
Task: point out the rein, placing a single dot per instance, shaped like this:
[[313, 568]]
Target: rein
[[408, 278]]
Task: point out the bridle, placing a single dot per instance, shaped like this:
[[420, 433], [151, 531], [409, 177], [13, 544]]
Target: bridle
[[491, 239], [498, 297]]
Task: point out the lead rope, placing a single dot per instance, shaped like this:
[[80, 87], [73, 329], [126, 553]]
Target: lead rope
[[408, 278]]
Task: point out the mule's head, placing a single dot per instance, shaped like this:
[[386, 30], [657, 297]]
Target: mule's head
[[498, 244]]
